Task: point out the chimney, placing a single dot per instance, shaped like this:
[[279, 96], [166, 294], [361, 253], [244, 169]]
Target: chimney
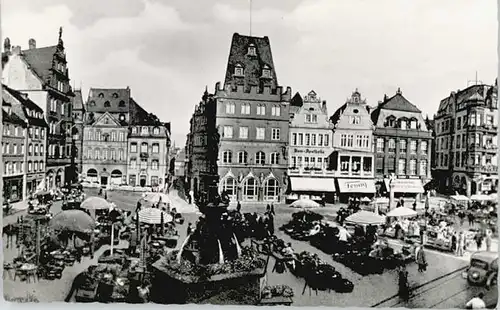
[[385, 97], [398, 91], [16, 50], [380, 102], [32, 44], [6, 45]]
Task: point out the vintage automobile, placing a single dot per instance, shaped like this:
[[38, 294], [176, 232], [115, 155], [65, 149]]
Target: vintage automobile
[[483, 269]]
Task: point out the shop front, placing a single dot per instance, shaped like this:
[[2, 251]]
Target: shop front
[[406, 188], [12, 189], [355, 188], [311, 188], [32, 182]]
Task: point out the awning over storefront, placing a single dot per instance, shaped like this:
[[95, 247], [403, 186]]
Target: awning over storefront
[[356, 186], [405, 185], [312, 184]]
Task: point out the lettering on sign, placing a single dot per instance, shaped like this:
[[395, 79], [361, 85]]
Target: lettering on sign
[[310, 151], [356, 185]]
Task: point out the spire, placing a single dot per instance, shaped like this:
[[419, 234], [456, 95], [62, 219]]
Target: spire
[[60, 36], [6, 45]]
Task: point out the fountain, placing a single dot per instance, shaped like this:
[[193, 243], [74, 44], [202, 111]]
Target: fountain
[[212, 265]]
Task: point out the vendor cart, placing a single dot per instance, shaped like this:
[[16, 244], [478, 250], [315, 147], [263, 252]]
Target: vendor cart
[[433, 241]]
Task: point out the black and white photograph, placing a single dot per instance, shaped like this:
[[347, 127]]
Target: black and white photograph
[[151, 155]]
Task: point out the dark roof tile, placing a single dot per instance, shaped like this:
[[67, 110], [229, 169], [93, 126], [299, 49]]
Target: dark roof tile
[[41, 60]]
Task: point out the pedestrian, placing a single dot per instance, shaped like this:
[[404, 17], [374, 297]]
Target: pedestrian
[[415, 205], [487, 240], [404, 289], [454, 242], [461, 244], [461, 216], [476, 302], [421, 259], [106, 195], [470, 217], [479, 240]]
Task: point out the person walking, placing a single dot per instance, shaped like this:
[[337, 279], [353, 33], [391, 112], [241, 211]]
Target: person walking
[[470, 217], [454, 242], [461, 244], [404, 289], [487, 240], [479, 240], [476, 302], [421, 259]]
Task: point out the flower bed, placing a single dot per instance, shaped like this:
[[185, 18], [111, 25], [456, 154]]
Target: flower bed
[[248, 263]]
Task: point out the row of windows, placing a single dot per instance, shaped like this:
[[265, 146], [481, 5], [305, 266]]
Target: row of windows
[[11, 168], [39, 133], [107, 104], [354, 164], [18, 149], [60, 151], [97, 135], [250, 187], [260, 133], [309, 162], [13, 130], [145, 130], [403, 146], [35, 166], [402, 123], [310, 139], [349, 140], [105, 154], [239, 71], [242, 158], [311, 118], [155, 147], [155, 181], [415, 167], [155, 164], [245, 109]]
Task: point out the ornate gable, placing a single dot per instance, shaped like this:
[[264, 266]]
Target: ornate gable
[[107, 120]]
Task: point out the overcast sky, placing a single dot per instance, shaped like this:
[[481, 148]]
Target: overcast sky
[[168, 50]]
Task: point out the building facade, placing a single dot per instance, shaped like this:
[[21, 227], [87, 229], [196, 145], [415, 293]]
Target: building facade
[[402, 146], [42, 73], [466, 140], [77, 130], [13, 149], [252, 116], [202, 147], [352, 158], [310, 147], [148, 141], [35, 145]]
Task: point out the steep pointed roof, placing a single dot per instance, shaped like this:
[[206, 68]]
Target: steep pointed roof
[[399, 103], [27, 104], [240, 54], [78, 100], [139, 116], [41, 60]]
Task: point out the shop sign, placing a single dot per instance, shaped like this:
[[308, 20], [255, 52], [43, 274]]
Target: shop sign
[[309, 151], [407, 185], [355, 185]]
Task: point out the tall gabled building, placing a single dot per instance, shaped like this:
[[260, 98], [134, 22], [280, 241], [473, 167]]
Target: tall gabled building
[[77, 130], [252, 117], [402, 146], [466, 127], [42, 73]]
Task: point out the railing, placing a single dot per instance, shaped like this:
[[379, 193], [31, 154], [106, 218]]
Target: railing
[[489, 169], [310, 172], [483, 147]]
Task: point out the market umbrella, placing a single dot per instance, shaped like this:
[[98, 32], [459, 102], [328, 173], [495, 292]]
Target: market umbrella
[[74, 221], [304, 203], [365, 199], [153, 216], [458, 197], [494, 196], [365, 218], [156, 197], [480, 197], [402, 212], [95, 203]]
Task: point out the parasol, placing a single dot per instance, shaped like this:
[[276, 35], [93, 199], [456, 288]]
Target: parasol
[[402, 212], [156, 197], [365, 199], [365, 218], [480, 197], [73, 220], [304, 203], [95, 203], [458, 197], [153, 216]]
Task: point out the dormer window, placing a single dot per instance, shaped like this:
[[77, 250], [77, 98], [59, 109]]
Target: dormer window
[[134, 130], [238, 70], [107, 104], [115, 95], [266, 72], [101, 95], [156, 131], [92, 103], [121, 104], [144, 130], [251, 50]]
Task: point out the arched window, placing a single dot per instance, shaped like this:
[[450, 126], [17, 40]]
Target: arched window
[[250, 189], [260, 158], [113, 135], [89, 153], [144, 147], [238, 70], [271, 190], [227, 157], [413, 123], [92, 103], [107, 104], [121, 104], [390, 121], [242, 157], [96, 153], [112, 154], [403, 123], [101, 95], [115, 95], [275, 158], [156, 131], [144, 130], [30, 149], [104, 154], [120, 154], [245, 108], [229, 185]]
